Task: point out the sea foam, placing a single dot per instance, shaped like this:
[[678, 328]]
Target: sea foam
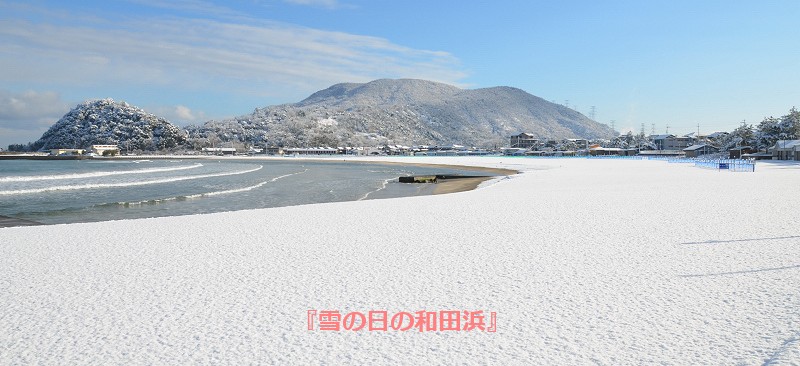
[[34, 178], [125, 184]]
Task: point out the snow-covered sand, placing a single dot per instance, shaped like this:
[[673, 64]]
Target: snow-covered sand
[[584, 261]]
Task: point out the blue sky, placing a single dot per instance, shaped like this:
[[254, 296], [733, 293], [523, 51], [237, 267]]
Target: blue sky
[[658, 63]]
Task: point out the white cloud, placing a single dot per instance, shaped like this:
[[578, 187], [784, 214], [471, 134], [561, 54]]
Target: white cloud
[[193, 6], [248, 57], [321, 3], [184, 113], [25, 116], [30, 109], [178, 114], [235, 55]]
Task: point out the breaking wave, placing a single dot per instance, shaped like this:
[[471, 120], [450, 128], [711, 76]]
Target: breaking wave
[[95, 174], [201, 195], [382, 187], [245, 189], [126, 184]]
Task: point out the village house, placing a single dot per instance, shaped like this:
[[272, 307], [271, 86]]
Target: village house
[[597, 150], [698, 150], [57, 152], [219, 150], [514, 151], [524, 141], [739, 151], [663, 153], [310, 151], [785, 150], [672, 142]]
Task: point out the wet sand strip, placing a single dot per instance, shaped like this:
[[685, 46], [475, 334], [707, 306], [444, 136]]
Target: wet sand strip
[[458, 185], [6, 221]]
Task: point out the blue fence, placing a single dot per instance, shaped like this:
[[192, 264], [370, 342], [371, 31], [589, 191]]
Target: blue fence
[[629, 157], [731, 165], [681, 160]]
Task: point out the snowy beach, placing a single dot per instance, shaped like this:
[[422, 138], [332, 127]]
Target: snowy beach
[[583, 261]]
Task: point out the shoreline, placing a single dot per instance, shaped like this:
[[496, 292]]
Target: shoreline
[[441, 187], [7, 221], [459, 185]]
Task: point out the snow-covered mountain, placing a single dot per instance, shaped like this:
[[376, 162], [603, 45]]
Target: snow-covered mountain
[[108, 122], [405, 111]]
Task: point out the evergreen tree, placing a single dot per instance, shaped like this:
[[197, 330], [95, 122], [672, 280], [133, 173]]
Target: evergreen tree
[[741, 136]]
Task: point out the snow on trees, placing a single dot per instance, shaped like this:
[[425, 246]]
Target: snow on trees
[[108, 122]]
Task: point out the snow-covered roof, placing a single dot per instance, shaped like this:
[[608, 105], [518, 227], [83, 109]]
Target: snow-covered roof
[[661, 137], [661, 152], [786, 144], [697, 147], [757, 154], [219, 149]]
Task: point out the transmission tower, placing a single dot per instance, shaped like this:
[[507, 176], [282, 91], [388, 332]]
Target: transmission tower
[[652, 128], [592, 111], [613, 124]]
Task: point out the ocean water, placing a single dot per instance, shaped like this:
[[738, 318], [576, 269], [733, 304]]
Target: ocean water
[[53, 192]]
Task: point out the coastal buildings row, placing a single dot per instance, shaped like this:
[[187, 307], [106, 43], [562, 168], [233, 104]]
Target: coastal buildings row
[[97, 150], [523, 144], [667, 145], [419, 150]]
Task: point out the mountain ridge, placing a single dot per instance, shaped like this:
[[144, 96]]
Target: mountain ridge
[[405, 111], [383, 111]]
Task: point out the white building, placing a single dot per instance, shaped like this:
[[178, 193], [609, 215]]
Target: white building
[[105, 150], [219, 150]]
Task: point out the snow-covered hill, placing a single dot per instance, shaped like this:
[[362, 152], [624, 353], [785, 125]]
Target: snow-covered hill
[[405, 111], [108, 122]]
